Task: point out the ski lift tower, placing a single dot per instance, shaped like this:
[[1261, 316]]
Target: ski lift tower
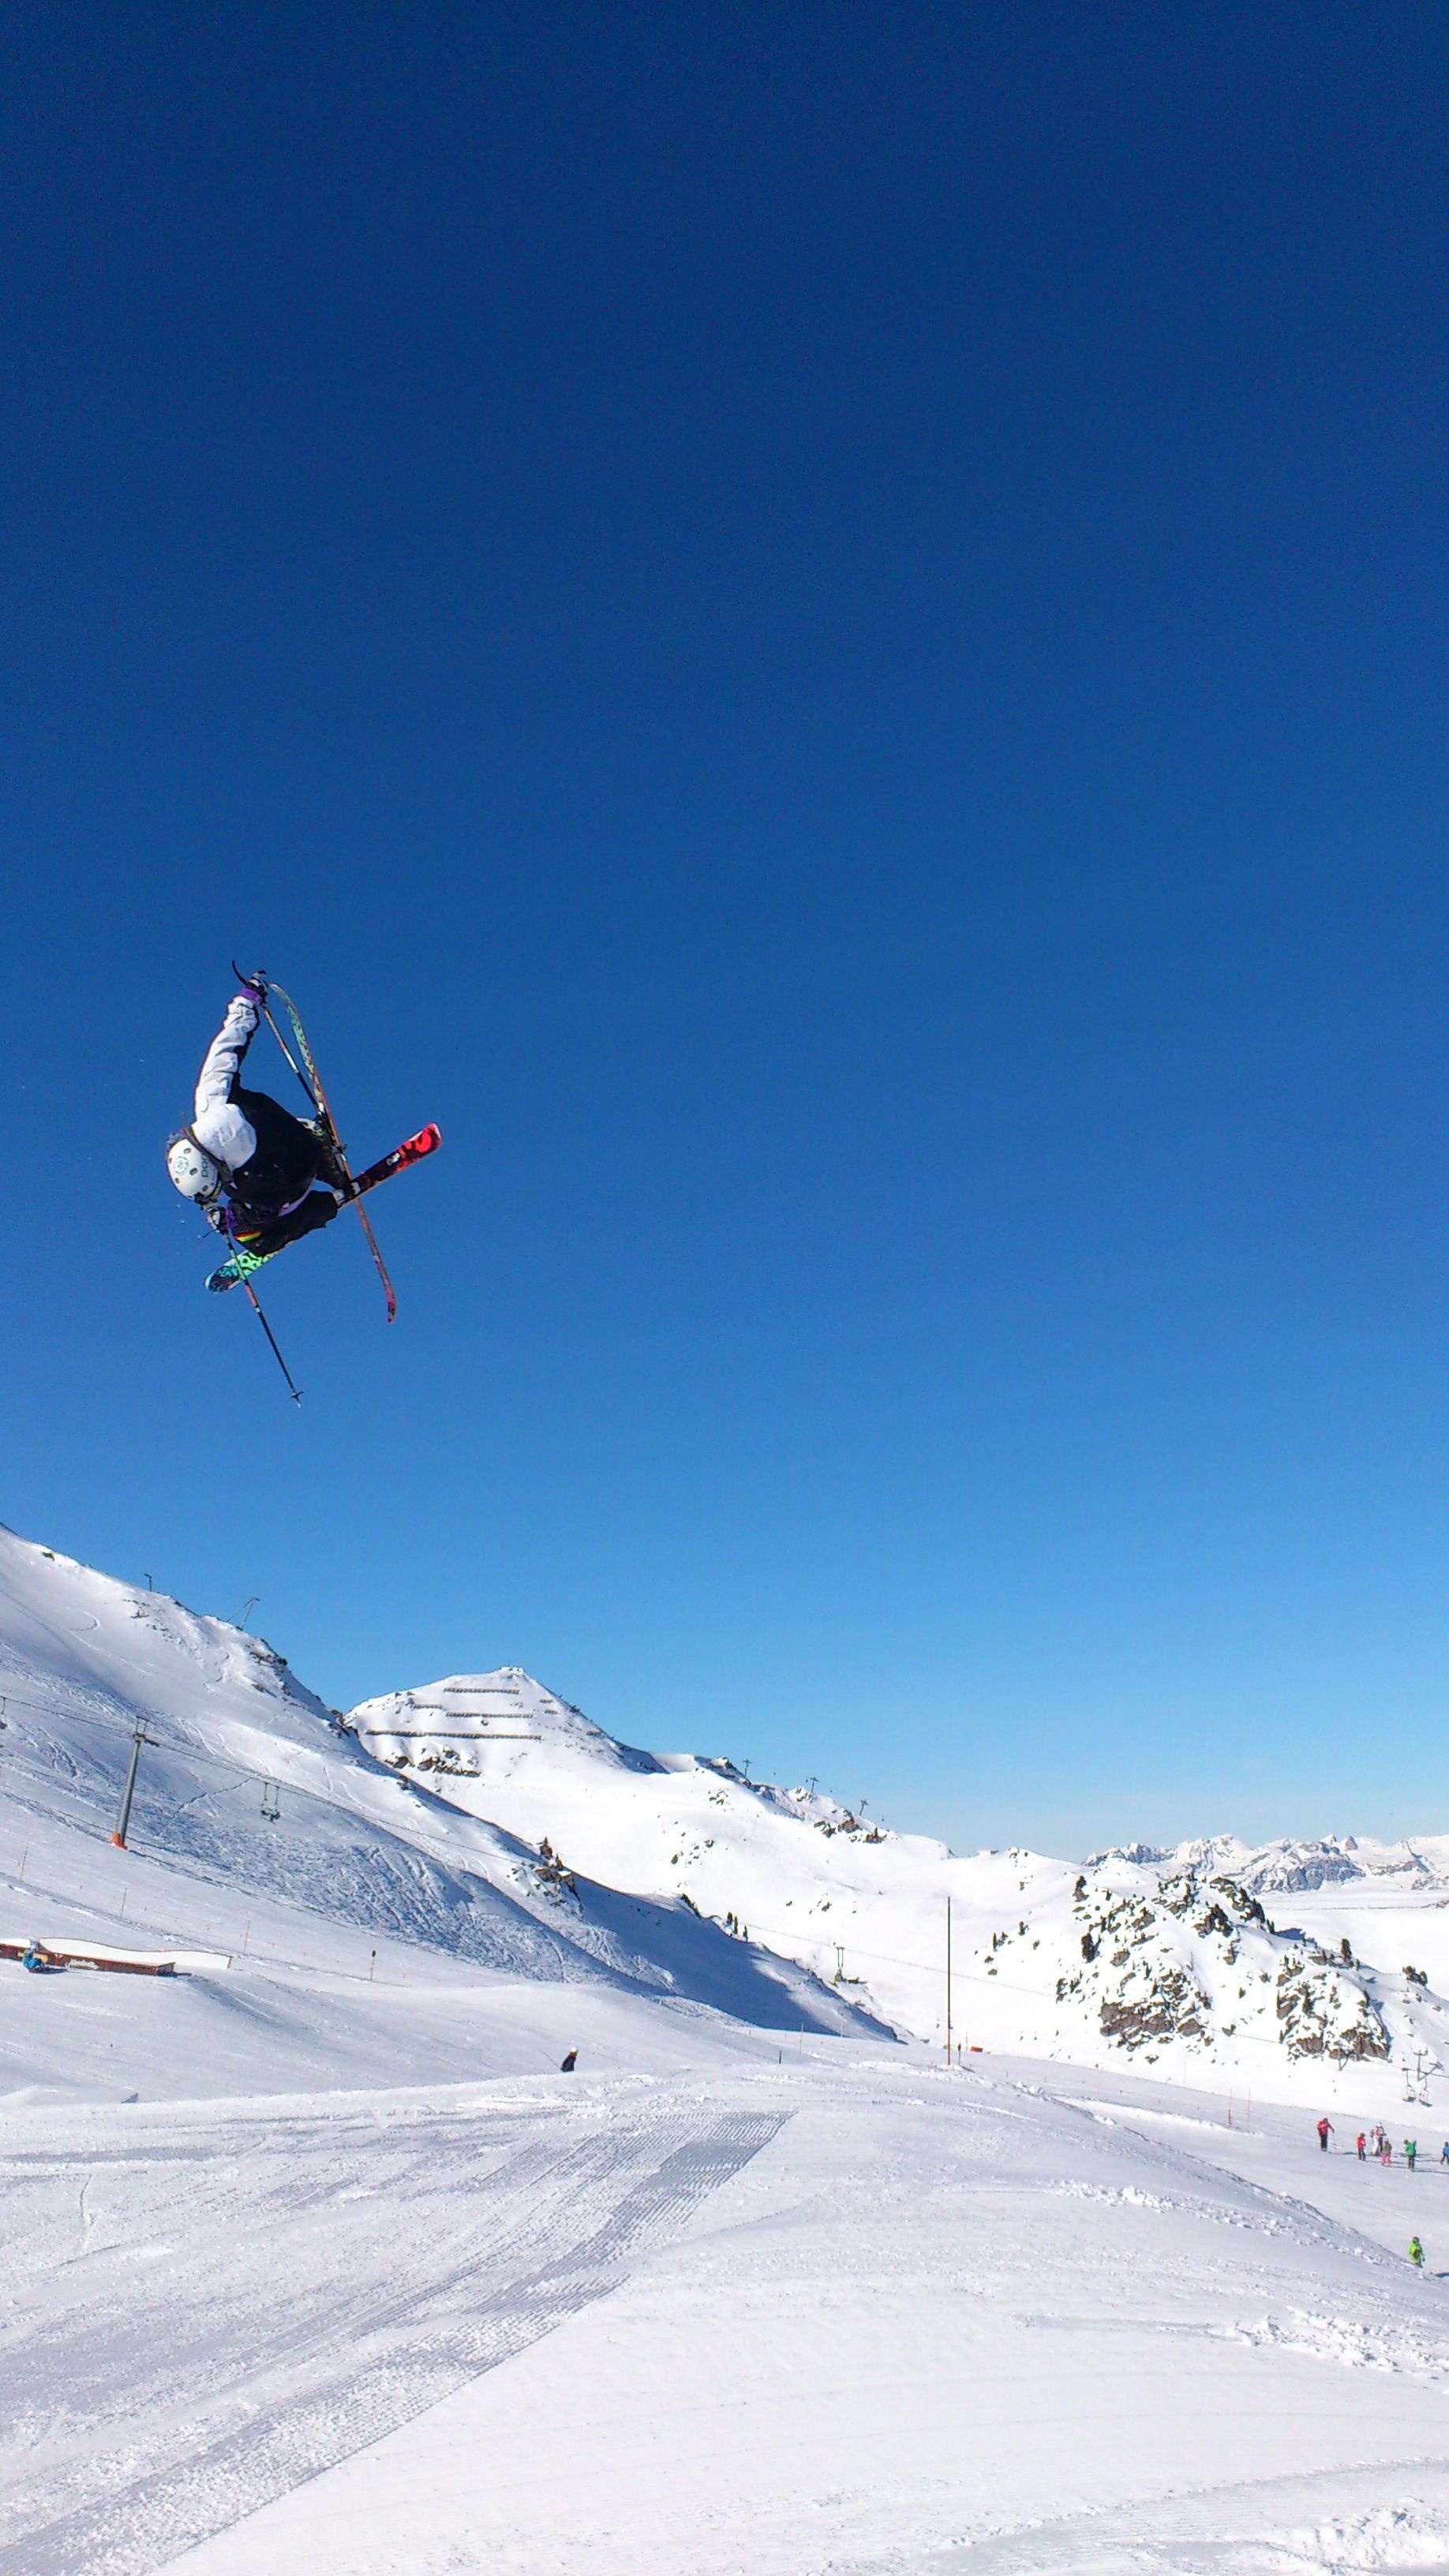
[[123, 1814]]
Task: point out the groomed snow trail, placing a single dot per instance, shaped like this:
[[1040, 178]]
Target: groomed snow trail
[[148, 2412]]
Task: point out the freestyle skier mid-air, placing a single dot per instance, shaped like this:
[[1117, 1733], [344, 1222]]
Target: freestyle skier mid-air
[[251, 1167], [260, 1176]]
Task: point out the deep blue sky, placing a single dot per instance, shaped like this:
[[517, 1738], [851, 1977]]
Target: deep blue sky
[[821, 628]]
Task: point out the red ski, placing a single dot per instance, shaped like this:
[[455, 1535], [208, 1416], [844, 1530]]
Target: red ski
[[411, 1150]]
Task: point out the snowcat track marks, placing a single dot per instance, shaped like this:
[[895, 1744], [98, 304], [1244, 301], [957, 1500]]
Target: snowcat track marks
[[348, 2360]]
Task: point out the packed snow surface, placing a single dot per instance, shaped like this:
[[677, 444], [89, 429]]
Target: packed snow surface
[[315, 2259], [817, 2309]]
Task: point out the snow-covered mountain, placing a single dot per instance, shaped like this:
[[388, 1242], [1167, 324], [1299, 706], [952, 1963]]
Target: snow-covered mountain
[[307, 2269], [485, 1820], [253, 1795], [261, 2314], [1171, 1959], [1295, 1867]]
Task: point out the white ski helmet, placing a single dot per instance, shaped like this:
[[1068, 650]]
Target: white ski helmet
[[194, 1172]]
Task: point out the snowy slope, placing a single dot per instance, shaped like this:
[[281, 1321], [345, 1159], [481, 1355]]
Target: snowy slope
[[841, 2314], [487, 1823], [861, 1907], [362, 2284], [1169, 1959], [255, 1801]]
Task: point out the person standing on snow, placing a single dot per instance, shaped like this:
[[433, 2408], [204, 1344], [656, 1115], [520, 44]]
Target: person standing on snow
[[1325, 2130], [1411, 2149], [570, 2062], [1386, 2152], [1416, 2254], [1361, 2143], [250, 1166]]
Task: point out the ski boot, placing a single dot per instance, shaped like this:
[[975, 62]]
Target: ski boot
[[331, 1170], [240, 1266]]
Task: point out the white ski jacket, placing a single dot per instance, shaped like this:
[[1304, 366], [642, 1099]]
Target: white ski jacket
[[218, 1125]]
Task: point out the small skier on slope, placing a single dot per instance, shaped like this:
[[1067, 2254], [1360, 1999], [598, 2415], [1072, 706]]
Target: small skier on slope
[[252, 1168]]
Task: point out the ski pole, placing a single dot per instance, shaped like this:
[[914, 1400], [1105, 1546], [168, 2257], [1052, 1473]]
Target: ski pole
[[312, 1084], [272, 1338], [260, 983], [291, 1059]]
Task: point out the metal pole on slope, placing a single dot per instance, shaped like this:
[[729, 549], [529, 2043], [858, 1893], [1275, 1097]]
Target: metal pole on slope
[[948, 1980], [123, 1816]]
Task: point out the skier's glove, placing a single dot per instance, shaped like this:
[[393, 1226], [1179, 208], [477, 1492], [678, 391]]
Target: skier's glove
[[254, 986]]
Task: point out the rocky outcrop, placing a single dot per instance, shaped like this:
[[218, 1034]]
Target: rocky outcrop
[[1324, 2014], [1166, 2005]]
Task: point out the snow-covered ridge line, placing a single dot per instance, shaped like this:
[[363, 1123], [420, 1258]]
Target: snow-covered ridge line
[[1170, 1958], [487, 1817], [1296, 1866], [249, 1782]]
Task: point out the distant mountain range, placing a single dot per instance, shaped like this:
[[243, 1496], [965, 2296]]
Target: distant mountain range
[[1290, 1866]]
